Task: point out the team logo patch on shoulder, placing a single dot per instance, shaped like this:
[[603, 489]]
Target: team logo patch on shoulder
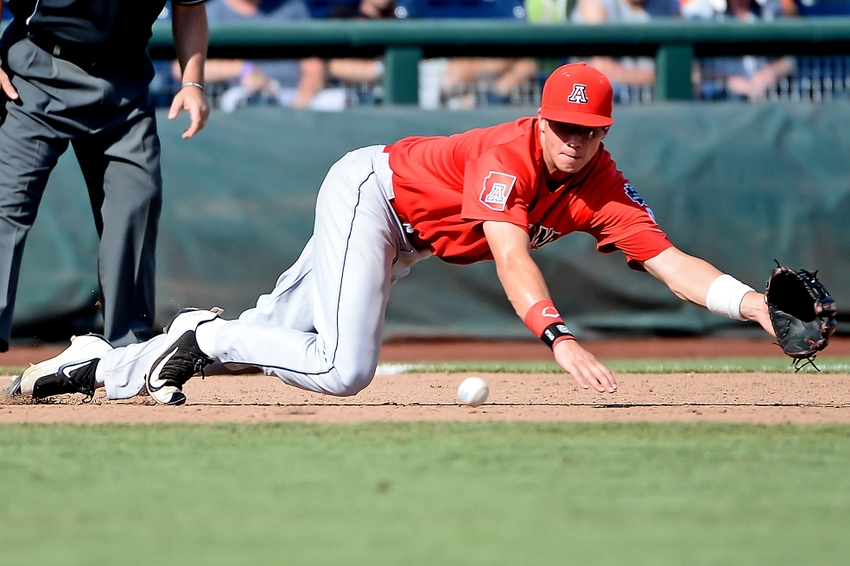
[[497, 189], [632, 193]]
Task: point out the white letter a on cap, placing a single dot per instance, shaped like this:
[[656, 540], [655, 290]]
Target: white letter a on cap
[[579, 94]]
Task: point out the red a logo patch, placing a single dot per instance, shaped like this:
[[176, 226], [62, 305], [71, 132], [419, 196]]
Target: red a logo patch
[[497, 189]]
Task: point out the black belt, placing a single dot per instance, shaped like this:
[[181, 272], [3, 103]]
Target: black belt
[[84, 59]]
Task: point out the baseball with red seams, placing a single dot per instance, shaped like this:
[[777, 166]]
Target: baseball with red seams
[[473, 391]]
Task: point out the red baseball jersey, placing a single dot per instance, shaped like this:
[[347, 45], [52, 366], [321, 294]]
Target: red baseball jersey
[[446, 187]]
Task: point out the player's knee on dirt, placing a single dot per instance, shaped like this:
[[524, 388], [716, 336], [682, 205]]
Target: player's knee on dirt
[[351, 382]]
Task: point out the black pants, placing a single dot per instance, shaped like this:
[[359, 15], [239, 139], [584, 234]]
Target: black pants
[[112, 127]]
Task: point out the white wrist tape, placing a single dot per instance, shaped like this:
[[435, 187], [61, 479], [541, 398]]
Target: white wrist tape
[[725, 295]]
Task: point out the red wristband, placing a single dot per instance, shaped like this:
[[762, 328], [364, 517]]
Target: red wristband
[[544, 320], [540, 315]]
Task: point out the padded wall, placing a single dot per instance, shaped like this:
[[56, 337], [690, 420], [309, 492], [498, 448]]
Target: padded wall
[[737, 184]]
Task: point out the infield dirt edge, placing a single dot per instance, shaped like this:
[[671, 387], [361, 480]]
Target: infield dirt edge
[[763, 398]]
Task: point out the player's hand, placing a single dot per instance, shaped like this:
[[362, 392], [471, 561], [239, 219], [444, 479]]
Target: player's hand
[[584, 367], [193, 100], [6, 86], [754, 307]]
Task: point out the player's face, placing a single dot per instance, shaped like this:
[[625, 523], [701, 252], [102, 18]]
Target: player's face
[[568, 147]]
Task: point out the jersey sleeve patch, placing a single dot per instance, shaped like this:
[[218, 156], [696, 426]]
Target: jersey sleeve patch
[[632, 193], [497, 189]]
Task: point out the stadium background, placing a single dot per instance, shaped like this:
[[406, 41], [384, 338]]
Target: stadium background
[[740, 184], [253, 472]]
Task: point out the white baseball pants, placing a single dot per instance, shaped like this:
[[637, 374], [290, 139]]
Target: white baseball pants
[[321, 327]]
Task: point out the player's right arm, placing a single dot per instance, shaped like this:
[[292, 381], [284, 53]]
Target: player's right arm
[[525, 287], [5, 82]]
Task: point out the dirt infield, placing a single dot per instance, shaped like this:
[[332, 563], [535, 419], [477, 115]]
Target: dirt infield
[[752, 398]]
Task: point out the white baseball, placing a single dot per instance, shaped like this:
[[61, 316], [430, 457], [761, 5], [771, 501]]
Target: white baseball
[[473, 391]]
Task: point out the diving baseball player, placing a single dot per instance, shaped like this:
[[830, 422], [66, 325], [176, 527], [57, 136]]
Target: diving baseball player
[[492, 193]]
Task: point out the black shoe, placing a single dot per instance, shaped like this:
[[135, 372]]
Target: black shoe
[[174, 368], [69, 379], [72, 371], [181, 359]]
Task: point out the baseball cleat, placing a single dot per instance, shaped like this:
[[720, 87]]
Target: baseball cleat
[[182, 358], [72, 371]]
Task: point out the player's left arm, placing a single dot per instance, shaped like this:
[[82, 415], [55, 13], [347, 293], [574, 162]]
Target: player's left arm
[[697, 281], [526, 290], [191, 37]]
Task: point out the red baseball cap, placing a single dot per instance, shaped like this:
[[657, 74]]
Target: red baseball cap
[[578, 94]]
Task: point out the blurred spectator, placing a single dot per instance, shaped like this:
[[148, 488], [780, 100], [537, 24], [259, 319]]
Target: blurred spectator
[[744, 77], [741, 10], [365, 73], [601, 11], [484, 81], [366, 9], [628, 75], [453, 74], [466, 82], [662, 8], [288, 82], [547, 11]]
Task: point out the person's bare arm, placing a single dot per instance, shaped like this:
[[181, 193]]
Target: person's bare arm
[[524, 285], [312, 80], [756, 85], [618, 72], [689, 278], [218, 70], [516, 73], [191, 36], [355, 70], [592, 12]]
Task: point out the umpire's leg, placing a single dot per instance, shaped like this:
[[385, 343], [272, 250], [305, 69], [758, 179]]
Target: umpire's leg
[[29, 150], [122, 171]]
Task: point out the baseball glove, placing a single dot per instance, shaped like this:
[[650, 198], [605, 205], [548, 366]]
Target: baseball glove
[[802, 312]]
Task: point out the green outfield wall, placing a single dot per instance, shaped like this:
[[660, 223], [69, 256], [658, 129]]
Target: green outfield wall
[[738, 184]]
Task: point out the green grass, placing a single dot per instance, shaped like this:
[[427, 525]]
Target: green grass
[[425, 493], [666, 365], [778, 364]]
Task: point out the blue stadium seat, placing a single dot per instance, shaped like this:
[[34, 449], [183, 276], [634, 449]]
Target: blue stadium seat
[[824, 7], [512, 9], [505, 9], [321, 8]]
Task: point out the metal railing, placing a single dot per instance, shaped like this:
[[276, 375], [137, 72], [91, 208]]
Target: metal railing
[[674, 44]]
